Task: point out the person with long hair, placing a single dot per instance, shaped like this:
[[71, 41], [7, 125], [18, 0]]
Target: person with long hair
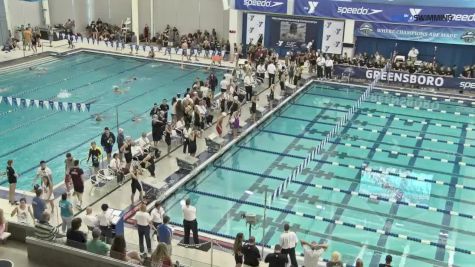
[[119, 251], [12, 180], [237, 249], [160, 257], [47, 187]]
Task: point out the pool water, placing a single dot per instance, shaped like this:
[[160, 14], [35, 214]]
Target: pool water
[[29, 135], [414, 152]]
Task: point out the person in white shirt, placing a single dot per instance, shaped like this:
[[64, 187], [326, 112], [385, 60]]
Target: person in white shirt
[[312, 252], [328, 67], [105, 220], [90, 220], [413, 53], [288, 242], [189, 222], [157, 215], [271, 71], [248, 82], [186, 137], [144, 223], [144, 142], [115, 166], [261, 72], [309, 46], [320, 66], [224, 84], [43, 171]]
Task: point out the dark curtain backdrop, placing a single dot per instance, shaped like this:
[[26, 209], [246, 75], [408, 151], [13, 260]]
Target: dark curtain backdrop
[[447, 54]]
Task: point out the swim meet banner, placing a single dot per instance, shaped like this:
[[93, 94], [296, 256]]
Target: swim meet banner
[[402, 14], [427, 34], [332, 39], [270, 6], [256, 27], [419, 79]]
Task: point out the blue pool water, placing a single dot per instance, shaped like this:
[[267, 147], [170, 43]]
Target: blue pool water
[[29, 135], [420, 151]]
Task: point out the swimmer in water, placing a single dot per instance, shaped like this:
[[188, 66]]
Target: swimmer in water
[[97, 117], [117, 90], [63, 94], [135, 117], [38, 69], [3, 90], [129, 80]]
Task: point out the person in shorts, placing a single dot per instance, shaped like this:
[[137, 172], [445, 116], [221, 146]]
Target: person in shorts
[[94, 155], [136, 184], [77, 177]]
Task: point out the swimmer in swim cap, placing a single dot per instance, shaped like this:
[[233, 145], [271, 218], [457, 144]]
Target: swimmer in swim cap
[[98, 117]]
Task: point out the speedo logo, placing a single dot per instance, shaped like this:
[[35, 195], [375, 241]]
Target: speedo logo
[[262, 3], [358, 11]]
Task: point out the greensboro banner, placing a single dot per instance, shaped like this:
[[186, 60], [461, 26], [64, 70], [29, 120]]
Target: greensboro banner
[[404, 77], [444, 35]]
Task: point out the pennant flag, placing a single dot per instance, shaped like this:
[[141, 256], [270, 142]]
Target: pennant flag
[[41, 103], [136, 47], [78, 106], [56, 105], [1, 99], [144, 47], [62, 35], [83, 107], [123, 45], [88, 39], [57, 35], [18, 101], [64, 106], [23, 102], [88, 107], [70, 106]]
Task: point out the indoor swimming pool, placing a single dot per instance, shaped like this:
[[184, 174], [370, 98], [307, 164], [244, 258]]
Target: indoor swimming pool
[[29, 135], [398, 179]]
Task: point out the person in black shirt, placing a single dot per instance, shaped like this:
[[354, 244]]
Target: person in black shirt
[[12, 180], [75, 237], [251, 253], [107, 142], [164, 107], [276, 259], [94, 154], [155, 110], [389, 259], [213, 83]]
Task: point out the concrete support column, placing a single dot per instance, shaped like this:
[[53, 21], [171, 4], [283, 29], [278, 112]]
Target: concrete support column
[[152, 23], [135, 19], [46, 15], [235, 27]]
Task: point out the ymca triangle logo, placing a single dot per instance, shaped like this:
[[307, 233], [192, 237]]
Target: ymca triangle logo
[[312, 6]]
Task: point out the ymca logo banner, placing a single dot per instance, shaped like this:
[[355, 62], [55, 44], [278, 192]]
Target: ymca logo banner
[[271, 6], [332, 39], [256, 27], [445, 35], [416, 15]]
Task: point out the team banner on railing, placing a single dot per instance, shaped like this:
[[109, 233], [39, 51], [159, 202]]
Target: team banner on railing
[[332, 39], [414, 15], [429, 34], [47, 104], [270, 6], [256, 27], [405, 77]]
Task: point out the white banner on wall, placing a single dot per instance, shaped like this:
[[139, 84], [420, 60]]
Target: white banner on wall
[[332, 39], [256, 26]]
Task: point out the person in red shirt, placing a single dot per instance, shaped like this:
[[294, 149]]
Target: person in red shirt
[[77, 177]]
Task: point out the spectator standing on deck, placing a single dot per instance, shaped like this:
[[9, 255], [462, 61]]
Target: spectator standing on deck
[[38, 204], [107, 142], [68, 164], [165, 233], [277, 259], [251, 253], [189, 222], [387, 262], [271, 72], [288, 241], [144, 222], [77, 177], [312, 252], [120, 142], [12, 180]]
